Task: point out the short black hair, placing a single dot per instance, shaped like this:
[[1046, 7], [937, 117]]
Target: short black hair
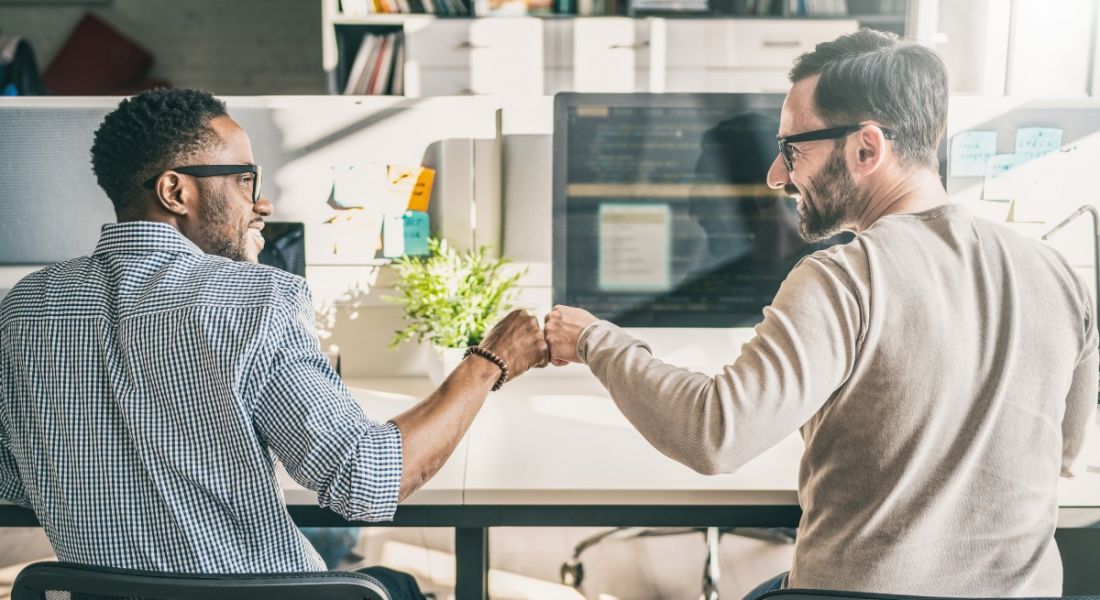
[[875, 75], [147, 134]]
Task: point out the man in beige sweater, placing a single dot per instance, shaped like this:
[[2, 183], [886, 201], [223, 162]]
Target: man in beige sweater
[[942, 369]]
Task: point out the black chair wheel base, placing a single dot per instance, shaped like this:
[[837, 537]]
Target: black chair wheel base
[[572, 573]]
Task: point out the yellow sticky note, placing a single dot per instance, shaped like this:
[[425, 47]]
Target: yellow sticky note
[[412, 186]]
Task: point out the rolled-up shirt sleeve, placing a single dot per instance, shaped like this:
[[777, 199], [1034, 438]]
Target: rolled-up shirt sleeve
[[305, 414], [11, 485]]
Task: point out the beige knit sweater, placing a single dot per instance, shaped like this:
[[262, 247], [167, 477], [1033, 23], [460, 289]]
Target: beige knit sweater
[[942, 370]]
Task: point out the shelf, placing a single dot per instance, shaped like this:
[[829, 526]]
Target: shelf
[[402, 18], [392, 18]]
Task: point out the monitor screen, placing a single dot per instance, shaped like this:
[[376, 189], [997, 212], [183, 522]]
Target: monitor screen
[[662, 214], [284, 246]]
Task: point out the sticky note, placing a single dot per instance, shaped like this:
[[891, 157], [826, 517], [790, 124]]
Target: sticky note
[[998, 185], [1034, 142], [357, 185], [970, 151], [393, 236], [413, 185], [417, 231]]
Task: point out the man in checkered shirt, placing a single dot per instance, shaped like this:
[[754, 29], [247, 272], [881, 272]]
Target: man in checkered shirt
[[147, 390]]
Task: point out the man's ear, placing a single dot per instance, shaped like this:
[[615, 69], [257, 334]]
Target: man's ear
[[870, 150], [173, 193]]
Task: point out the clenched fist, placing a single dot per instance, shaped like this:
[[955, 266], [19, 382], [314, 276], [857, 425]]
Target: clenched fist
[[564, 325], [518, 339]]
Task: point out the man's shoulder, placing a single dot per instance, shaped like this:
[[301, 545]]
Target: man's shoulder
[[91, 285], [28, 292], [213, 279]]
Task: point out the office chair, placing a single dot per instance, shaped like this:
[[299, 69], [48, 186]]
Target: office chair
[[572, 570], [797, 594], [57, 580]]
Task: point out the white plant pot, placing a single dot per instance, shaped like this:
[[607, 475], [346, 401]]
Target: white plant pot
[[442, 361]]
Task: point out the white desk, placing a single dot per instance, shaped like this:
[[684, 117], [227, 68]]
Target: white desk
[[562, 441], [554, 450], [567, 443]]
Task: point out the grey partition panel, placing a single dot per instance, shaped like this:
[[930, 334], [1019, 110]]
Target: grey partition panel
[[51, 208]]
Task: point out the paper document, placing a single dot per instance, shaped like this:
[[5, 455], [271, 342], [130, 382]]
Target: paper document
[[1033, 142], [634, 247], [358, 186], [970, 151]]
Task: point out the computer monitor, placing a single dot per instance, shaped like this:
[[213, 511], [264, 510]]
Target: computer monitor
[[662, 214], [284, 246]]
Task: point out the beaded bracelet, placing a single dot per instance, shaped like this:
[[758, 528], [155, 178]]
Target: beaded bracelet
[[498, 361]]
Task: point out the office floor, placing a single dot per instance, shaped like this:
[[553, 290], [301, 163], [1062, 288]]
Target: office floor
[[526, 562]]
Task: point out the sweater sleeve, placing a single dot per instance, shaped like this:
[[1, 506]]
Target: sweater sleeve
[[1081, 401], [801, 354]]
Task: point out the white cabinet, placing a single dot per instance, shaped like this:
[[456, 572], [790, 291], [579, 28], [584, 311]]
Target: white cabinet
[[597, 54], [473, 56], [532, 56], [737, 55]]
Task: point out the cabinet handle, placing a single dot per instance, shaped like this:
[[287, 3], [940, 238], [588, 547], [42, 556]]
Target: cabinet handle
[[472, 46], [781, 44], [638, 46]]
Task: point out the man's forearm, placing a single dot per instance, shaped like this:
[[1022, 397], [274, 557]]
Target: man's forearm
[[431, 430]]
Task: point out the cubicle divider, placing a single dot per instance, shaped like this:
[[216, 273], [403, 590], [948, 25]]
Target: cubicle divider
[[494, 163], [52, 206]]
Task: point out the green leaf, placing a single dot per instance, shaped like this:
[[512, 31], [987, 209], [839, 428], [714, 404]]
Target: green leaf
[[450, 299]]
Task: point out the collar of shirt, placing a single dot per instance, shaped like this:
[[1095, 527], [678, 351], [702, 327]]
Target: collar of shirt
[[143, 236]]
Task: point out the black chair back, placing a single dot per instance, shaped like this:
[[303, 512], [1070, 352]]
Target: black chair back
[[797, 594], [54, 580]]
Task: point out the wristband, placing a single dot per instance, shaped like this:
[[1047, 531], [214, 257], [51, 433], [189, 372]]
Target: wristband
[[490, 356]]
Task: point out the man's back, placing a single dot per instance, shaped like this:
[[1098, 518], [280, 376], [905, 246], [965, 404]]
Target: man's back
[[935, 464], [145, 393], [941, 369]]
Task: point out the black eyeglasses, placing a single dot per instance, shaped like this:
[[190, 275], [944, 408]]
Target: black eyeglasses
[[214, 171], [831, 133]]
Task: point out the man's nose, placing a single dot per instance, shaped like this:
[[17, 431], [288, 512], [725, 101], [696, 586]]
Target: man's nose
[[778, 175], [263, 206]]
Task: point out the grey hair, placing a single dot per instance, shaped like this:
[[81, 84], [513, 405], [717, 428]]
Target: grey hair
[[874, 75]]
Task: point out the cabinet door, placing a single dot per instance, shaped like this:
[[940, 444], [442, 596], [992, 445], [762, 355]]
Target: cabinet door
[[438, 42], [727, 43], [686, 41], [506, 56], [608, 52], [437, 81], [775, 43], [474, 56], [701, 79]]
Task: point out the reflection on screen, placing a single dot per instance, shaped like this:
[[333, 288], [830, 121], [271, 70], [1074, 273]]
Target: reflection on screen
[[668, 218]]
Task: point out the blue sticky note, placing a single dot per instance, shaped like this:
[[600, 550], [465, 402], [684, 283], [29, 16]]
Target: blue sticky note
[[970, 151], [1034, 142], [997, 186], [416, 233]]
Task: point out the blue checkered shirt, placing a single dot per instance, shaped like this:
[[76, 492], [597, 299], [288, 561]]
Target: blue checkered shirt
[[146, 392]]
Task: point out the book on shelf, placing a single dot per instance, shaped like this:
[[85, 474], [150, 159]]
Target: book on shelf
[[363, 8], [378, 66], [824, 7]]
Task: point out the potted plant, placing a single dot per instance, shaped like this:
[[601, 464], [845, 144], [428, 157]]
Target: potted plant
[[450, 299]]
